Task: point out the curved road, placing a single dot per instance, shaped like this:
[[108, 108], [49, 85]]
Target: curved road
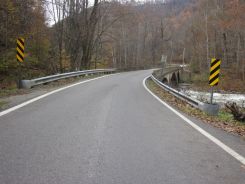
[[111, 131]]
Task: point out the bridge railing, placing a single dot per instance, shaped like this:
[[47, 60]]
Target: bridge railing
[[191, 101], [211, 109], [43, 80], [160, 73]]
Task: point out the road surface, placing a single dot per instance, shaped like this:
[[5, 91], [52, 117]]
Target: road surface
[[111, 131]]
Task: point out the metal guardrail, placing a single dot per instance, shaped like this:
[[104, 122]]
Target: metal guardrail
[[211, 109], [191, 101], [43, 80]]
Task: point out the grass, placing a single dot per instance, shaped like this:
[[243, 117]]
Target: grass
[[225, 116], [8, 92], [224, 120], [2, 104]]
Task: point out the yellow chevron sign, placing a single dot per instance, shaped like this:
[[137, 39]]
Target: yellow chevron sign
[[214, 72], [20, 49]]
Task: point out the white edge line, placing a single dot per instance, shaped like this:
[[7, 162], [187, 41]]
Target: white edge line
[[230, 151], [47, 94]]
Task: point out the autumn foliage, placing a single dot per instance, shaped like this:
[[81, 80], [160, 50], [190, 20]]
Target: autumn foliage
[[72, 35]]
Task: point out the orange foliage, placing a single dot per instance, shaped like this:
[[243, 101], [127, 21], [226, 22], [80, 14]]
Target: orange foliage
[[181, 19], [235, 16]]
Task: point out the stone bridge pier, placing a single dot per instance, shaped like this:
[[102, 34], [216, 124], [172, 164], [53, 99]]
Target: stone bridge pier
[[173, 77]]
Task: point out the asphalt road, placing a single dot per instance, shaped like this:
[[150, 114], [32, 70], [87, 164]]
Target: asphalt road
[[110, 131]]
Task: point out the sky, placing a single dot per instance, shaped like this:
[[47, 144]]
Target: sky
[[50, 14]]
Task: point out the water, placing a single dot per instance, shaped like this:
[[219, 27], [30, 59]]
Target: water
[[219, 98]]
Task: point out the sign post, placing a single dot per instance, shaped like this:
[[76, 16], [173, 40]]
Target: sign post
[[214, 75]]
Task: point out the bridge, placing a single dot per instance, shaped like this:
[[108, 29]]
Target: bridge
[[169, 75]]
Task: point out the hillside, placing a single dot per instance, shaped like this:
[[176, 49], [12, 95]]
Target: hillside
[[124, 35]]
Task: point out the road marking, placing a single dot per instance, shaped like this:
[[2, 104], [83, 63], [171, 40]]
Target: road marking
[[233, 153], [47, 94]]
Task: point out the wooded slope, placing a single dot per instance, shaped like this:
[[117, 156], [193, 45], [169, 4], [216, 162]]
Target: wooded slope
[[125, 35]]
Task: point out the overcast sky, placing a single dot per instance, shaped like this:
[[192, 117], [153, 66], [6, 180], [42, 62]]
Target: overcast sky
[[50, 14]]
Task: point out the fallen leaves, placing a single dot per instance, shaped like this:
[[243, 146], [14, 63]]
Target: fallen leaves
[[227, 124]]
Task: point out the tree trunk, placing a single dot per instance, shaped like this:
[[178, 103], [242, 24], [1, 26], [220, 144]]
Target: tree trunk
[[238, 54], [207, 39], [225, 49]]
